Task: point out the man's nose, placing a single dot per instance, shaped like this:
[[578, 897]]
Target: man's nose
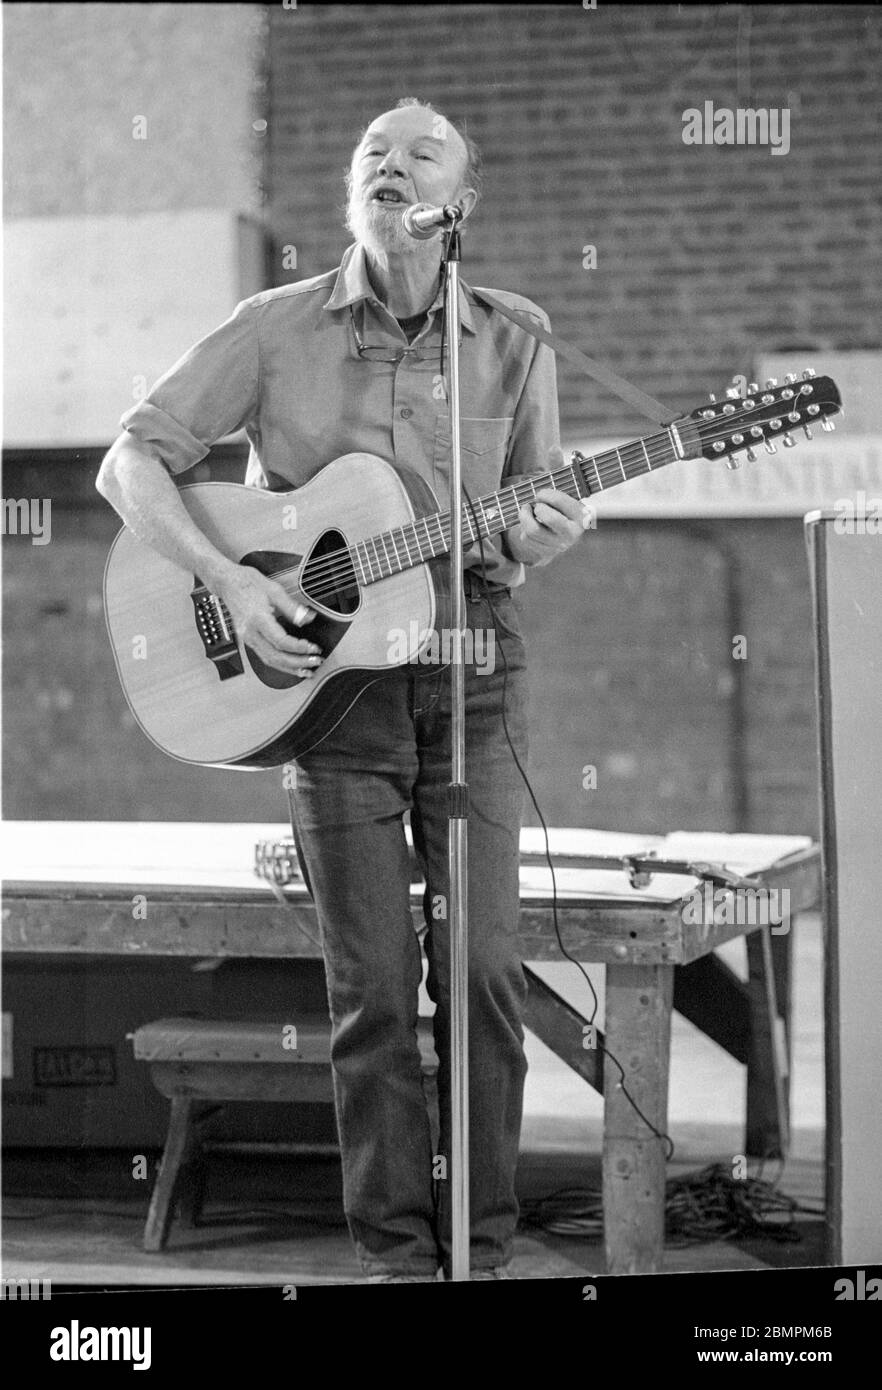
[[393, 164]]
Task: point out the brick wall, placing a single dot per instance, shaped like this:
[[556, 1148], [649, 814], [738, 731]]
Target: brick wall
[[706, 255]]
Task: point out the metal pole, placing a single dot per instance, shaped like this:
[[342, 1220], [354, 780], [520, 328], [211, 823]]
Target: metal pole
[[458, 811]]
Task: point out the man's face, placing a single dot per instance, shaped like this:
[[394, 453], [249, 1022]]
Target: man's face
[[410, 155]]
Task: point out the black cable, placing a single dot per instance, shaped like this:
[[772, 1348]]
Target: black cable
[[703, 1207], [659, 1134]]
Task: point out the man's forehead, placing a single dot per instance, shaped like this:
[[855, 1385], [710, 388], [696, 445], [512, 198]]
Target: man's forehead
[[418, 122]]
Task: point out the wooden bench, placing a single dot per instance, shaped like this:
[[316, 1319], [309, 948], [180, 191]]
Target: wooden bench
[[201, 1064]]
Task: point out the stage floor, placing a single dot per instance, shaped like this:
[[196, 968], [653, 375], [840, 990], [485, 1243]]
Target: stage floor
[[291, 1230], [92, 1241]]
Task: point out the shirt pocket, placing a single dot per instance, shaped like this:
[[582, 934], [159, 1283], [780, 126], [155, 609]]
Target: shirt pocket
[[484, 450]]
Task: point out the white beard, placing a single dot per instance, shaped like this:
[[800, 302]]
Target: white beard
[[380, 229]]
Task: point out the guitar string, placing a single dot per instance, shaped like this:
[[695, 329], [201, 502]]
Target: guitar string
[[328, 574], [340, 565], [333, 570]]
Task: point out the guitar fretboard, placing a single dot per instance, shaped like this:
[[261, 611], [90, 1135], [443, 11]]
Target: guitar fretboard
[[427, 538]]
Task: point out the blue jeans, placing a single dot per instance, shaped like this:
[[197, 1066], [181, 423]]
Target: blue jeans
[[391, 754]]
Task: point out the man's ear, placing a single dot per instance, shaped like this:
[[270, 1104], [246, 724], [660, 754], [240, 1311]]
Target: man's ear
[[467, 199]]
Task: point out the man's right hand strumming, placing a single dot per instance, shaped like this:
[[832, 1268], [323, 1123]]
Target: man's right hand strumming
[[138, 485], [255, 604]]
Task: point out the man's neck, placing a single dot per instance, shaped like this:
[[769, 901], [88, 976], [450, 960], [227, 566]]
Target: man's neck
[[406, 284]]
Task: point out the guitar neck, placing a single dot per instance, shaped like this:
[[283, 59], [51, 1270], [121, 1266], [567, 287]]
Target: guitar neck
[[380, 556]]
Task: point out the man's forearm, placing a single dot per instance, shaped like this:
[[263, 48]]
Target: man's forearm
[[139, 487]]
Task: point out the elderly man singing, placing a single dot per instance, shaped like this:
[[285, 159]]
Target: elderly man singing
[[355, 360]]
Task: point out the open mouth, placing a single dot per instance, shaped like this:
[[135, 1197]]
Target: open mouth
[[388, 197]]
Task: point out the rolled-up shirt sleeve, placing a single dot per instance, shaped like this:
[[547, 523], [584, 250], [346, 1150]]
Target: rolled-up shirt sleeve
[[210, 392], [534, 445]]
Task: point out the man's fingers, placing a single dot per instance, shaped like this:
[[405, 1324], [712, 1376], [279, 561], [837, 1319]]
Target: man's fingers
[[562, 503], [550, 518], [296, 613], [296, 665], [273, 632]]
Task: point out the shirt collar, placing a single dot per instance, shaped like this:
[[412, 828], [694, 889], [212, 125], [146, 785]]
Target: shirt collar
[[352, 285]]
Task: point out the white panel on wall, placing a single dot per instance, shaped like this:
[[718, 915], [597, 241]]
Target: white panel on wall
[[96, 305]]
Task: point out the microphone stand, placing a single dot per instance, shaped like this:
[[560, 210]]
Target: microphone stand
[[457, 841]]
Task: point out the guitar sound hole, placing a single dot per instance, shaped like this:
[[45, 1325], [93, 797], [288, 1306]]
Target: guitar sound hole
[[329, 576]]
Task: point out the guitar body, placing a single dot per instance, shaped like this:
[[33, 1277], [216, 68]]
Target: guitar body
[[235, 712]]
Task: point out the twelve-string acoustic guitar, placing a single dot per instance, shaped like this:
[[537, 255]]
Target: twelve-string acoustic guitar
[[366, 554]]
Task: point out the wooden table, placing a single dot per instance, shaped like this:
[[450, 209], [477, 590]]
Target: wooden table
[[149, 888]]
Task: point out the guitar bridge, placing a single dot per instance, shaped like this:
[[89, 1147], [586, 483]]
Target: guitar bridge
[[215, 627]]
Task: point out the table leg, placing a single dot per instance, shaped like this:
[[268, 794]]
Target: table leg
[[638, 1033], [767, 1132]]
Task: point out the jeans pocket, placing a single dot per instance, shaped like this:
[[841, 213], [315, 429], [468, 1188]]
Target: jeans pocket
[[506, 614]]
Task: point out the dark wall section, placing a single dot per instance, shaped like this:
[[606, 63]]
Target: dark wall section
[[706, 255]]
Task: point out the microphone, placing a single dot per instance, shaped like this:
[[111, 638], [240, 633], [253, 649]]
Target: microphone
[[423, 221]]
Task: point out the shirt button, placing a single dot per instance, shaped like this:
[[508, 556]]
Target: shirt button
[[406, 412]]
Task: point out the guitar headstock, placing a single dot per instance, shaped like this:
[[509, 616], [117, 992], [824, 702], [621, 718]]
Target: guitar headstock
[[765, 414]]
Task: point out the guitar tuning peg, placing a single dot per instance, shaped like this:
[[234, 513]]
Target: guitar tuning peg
[[809, 373], [712, 398], [772, 381], [733, 461], [827, 425], [752, 456], [753, 388], [788, 441], [790, 378], [807, 432], [733, 393], [770, 448]]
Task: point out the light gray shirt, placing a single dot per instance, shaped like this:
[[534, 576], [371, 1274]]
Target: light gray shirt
[[285, 367]]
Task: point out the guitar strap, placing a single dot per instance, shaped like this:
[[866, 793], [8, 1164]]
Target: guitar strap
[[639, 399]]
